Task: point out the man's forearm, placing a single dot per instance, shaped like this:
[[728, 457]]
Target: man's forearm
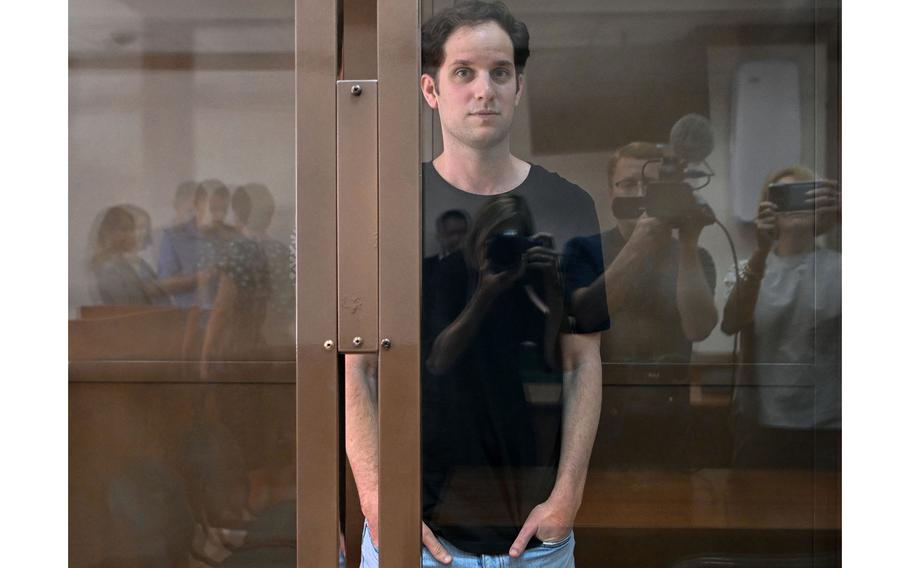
[[582, 393], [694, 300], [362, 428]]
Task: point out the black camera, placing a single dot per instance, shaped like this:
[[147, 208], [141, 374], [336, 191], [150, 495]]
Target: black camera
[[504, 250], [792, 196], [671, 197]]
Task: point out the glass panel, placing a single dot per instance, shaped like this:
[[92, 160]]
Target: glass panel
[[181, 286], [707, 429]]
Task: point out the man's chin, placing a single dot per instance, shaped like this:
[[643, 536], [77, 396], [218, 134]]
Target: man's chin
[[486, 141]]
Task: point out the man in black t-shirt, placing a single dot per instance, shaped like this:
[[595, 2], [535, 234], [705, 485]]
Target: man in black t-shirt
[[511, 375], [661, 288], [661, 295]]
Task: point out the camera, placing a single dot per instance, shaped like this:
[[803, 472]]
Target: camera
[[504, 250], [671, 197], [792, 196]]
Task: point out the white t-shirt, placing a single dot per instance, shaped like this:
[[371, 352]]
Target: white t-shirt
[[797, 342]]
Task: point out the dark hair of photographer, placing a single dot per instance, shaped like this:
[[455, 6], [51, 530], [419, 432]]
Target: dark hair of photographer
[[493, 215], [452, 215]]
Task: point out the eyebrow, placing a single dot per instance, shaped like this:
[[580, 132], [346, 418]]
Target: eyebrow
[[500, 63]]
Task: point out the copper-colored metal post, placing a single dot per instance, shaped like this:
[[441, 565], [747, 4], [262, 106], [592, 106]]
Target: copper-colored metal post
[[358, 270], [398, 30], [317, 364]]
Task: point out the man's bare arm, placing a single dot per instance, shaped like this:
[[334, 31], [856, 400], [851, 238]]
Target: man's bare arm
[[621, 277], [361, 424], [582, 393]]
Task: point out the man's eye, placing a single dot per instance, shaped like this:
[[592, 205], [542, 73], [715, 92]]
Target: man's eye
[[501, 73], [462, 72]]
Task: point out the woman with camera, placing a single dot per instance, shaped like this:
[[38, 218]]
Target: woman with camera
[[786, 303]]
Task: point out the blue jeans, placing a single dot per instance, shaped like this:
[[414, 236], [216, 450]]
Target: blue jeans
[[547, 555]]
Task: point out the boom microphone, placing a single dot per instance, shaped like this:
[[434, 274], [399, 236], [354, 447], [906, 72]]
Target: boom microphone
[[691, 138]]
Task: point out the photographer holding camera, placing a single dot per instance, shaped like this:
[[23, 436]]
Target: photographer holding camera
[[787, 304], [660, 289]]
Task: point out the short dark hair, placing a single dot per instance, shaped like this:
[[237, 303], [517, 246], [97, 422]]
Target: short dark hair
[[459, 214], [440, 26]]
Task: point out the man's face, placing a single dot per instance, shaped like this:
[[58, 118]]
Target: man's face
[[184, 209], [218, 207], [627, 181], [142, 230], [201, 208], [478, 87], [452, 234]]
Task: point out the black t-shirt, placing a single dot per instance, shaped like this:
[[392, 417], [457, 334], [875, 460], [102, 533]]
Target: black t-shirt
[[492, 417]]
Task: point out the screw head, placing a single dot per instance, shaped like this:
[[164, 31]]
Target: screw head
[[358, 341], [356, 90], [329, 344], [386, 343]]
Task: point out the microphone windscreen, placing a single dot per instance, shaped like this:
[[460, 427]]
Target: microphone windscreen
[[691, 138]]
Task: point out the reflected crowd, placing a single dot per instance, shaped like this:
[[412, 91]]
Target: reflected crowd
[[215, 484], [237, 280]]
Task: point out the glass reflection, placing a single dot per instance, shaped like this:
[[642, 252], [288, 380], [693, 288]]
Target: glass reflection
[[182, 294], [123, 277], [511, 379], [708, 450], [786, 301]]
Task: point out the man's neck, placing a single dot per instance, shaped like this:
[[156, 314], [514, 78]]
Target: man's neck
[[486, 172]]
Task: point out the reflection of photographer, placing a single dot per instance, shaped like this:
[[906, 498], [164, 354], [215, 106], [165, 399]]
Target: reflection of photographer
[[501, 257], [660, 289], [787, 304]]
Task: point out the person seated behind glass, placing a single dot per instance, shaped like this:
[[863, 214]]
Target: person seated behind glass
[[787, 305], [122, 276]]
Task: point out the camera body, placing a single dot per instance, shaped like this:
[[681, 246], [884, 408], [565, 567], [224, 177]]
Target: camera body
[[669, 198], [504, 250], [792, 196]]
